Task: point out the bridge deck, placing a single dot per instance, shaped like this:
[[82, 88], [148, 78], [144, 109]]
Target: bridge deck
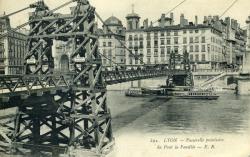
[[20, 87]]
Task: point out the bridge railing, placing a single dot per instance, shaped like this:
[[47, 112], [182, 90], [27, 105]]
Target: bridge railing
[[217, 70], [19, 83], [120, 76], [134, 67], [29, 83]]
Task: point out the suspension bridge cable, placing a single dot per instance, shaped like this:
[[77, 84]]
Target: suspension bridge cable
[[5, 16], [25, 24], [229, 8], [108, 58], [14, 29], [124, 45], [61, 6], [172, 9]]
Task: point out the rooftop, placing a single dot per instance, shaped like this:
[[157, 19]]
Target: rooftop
[[113, 21], [173, 27], [166, 19], [133, 14]]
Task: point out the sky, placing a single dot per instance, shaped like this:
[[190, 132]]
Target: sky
[[151, 9]]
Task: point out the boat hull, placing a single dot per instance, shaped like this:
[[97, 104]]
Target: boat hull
[[198, 97]]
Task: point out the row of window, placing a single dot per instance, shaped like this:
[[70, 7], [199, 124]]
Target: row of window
[[162, 50], [109, 53], [136, 37], [16, 42], [196, 57], [108, 44], [107, 36], [174, 32], [192, 48], [216, 58], [217, 41], [16, 62], [136, 44], [17, 36], [175, 40], [164, 60], [136, 61], [196, 48], [216, 49], [16, 52], [14, 70], [109, 62], [156, 60], [192, 57]]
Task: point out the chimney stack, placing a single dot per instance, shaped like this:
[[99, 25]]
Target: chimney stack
[[227, 21], [182, 20], [145, 23], [205, 20], [162, 20], [163, 16], [172, 17], [196, 20], [232, 24]]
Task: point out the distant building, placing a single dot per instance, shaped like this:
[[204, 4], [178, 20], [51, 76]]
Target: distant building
[[234, 40], [112, 41], [61, 52], [133, 20], [248, 34], [246, 65], [214, 44], [12, 49]]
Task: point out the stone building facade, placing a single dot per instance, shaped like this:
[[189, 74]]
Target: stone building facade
[[12, 49], [214, 44], [111, 42]]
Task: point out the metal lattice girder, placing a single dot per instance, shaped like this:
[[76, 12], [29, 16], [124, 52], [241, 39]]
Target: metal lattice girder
[[14, 89], [113, 77], [183, 60], [28, 84], [60, 110]]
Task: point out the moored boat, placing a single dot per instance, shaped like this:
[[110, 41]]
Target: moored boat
[[145, 92], [134, 92], [197, 94]]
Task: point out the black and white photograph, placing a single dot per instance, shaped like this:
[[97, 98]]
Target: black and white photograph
[[132, 78]]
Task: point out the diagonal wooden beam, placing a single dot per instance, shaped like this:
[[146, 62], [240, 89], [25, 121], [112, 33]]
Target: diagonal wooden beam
[[47, 27], [63, 26], [79, 22], [80, 74], [97, 76], [103, 135], [31, 52], [79, 47]]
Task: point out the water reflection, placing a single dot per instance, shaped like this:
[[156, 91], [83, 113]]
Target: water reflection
[[228, 114]]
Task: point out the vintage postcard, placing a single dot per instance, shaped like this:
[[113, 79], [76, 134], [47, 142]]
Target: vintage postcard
[[133, 78]]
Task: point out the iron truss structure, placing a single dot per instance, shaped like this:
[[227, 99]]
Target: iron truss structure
[[67, 112], [175, 61]]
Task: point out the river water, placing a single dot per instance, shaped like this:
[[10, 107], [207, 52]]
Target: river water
[[150, 127], [142, 125]]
